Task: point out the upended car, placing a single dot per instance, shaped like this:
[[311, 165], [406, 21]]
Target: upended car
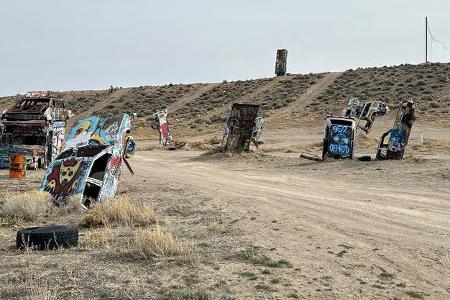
[[339, 138], [90, 165]]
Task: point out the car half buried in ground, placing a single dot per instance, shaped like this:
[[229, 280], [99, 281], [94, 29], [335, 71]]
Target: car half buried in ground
[[90, 166]]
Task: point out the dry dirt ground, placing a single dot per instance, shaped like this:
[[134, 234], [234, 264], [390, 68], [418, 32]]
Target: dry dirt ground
[[265, 225]]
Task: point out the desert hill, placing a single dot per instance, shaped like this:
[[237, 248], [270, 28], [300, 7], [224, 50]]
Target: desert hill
[[284, 100]]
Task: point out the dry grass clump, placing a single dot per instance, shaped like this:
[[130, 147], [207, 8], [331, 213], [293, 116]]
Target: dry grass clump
[[198, 145], [24, 206], [121, 211], [149, 243], [100, 238], [19, 207], [367, 140], [214, 140], [255, 256]]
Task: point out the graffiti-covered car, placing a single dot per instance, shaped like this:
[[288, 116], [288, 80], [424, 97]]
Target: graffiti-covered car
[[240, 128], [339, 137], [90, 165], [281, 62], [160, 123], [35, 125], [394, 148], [365, 111]]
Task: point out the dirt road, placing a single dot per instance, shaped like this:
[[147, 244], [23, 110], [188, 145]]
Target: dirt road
[[349, 228]]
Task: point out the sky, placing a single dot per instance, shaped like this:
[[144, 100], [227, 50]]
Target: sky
[[92, 44]]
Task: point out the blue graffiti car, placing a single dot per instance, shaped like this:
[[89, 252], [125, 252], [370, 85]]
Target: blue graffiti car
[[90, 165], [339, 136]]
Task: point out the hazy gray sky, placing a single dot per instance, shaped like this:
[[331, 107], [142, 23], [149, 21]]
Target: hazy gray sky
[[91, 44]]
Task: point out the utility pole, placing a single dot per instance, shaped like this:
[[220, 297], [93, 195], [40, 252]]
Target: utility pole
[[426, 39]]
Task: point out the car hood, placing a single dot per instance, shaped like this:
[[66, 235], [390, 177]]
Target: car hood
[[96, 130]]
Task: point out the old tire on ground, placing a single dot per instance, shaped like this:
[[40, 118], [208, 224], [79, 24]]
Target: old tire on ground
[[48, 237], [365, 158]]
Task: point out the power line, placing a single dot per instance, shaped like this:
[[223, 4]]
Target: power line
[[433, 39]]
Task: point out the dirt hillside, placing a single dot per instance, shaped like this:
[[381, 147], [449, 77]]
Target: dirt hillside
[[298, 97]]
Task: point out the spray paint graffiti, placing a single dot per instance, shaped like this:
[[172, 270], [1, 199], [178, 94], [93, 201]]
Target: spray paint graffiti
[[399, 134], [99, 146], [365, 111], [240, 127], [339, 136], [61, 179], [161, 124]]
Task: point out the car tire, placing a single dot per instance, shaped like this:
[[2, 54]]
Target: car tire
[[365, 158], [47, 237]]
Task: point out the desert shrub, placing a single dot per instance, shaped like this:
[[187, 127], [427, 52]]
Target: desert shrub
[[214, 140], [18, 207], [122, 211], [434, 105], [149, 243], [100, 238], [198, 145]]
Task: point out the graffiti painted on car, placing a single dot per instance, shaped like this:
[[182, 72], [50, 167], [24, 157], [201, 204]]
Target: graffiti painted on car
[[161, 124], [241, 128], [399, 134], [91, 164]]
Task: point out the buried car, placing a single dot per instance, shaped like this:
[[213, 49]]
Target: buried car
[[339, 137], [241, 128], [90, 166], [161, 124], [394, 148]]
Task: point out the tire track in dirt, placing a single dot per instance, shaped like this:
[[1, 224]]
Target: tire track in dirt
[[308, 97], [191, 97], [250, 96]]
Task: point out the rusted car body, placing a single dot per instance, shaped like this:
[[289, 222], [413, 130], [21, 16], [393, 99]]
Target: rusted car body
[[36, 126], [240, 127], [90, 165], [394, 148]]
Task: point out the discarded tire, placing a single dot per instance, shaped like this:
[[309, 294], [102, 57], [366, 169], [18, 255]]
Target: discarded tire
[[365, 158], [47, 238]]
